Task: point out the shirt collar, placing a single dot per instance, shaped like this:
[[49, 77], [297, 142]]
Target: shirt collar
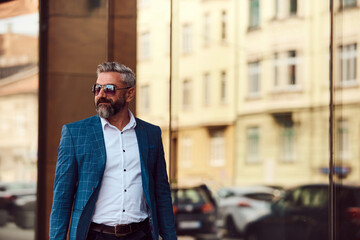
[[130, 125]]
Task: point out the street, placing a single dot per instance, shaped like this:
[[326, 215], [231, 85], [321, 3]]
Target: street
[[11, 232]]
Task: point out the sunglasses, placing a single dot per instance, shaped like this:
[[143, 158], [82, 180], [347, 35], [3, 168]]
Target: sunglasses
[[109, 89]]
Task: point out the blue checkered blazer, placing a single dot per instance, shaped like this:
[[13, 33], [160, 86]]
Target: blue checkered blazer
[[79, 170]]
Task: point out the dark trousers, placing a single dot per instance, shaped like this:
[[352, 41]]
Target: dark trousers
[[141, 234]]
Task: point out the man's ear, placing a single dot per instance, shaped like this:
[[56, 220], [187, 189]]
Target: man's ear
[[130, 94]]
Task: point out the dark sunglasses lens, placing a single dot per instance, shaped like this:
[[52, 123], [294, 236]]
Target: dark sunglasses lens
[[96, 89], [109, 89]]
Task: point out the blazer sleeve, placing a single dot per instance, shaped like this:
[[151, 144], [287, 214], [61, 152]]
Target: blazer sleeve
[[163, 196], [64, 187]]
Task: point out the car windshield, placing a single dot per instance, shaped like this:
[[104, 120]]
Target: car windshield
[[188, 196]]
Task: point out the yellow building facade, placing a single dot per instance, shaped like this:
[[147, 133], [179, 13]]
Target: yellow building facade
[[250, 88], [202, 83], [18, 144], [283, 113], [18, 107]]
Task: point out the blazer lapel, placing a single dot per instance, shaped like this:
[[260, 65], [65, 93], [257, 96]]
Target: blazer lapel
[[142, 143], [99, 143], [143, 150]]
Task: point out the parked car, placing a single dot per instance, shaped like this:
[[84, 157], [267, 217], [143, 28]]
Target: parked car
[[24, 212], [9, 193], [304, 214], [238, 206], [194, 210]]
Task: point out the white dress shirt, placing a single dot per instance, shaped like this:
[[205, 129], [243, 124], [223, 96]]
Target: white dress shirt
[[121, 198]]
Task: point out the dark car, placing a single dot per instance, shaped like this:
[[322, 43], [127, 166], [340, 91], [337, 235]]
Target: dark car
[[9, 194], [24, 212], [194, 210], [303, 213]]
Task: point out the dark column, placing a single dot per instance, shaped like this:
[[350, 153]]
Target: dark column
[[122, 34], [75, 36]]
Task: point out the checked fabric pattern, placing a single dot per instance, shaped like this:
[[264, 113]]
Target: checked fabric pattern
[[79, 171]]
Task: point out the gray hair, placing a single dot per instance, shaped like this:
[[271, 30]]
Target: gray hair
[[126, 73]]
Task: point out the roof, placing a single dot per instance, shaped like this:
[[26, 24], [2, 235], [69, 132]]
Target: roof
[[26, 81], [19, 7]]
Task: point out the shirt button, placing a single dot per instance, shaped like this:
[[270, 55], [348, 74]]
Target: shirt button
[[124, 210], [125, 190], [124, 150], [122, 132], [124, 170]]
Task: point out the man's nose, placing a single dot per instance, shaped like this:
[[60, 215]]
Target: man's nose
[[102, 93]]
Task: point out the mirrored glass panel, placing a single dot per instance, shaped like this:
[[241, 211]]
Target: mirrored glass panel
[[251, 85], [153, 65], [346, 119], [19, 26]]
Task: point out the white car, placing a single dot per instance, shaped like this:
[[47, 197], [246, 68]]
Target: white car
[[239, 206]]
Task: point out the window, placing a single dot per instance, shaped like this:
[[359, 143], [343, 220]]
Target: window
[[186, 94], [207, 89], [253, 141], [347, 3], [288, 143], [276, 70], [343, 140], [187, 38], [254, 79], [254, 19], [276, 8], [20, 123], [145, 46], [207, 22], [348, 64], [291, 62], [187, 144], [293, 7], [145, 98], [217, 148], [223, 25], [144, 3], [223, 87]]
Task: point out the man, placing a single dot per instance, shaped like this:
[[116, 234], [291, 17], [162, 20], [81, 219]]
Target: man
[[111, 175]]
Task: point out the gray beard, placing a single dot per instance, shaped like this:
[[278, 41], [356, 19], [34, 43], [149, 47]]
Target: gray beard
[[105, 111]]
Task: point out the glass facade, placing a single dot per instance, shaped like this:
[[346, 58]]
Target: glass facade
[[258, 102], [19, 26], [263, 94]]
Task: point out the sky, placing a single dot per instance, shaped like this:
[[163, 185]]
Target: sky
[[24, 24]]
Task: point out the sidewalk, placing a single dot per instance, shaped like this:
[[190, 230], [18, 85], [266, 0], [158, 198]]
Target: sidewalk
[[12, 232]]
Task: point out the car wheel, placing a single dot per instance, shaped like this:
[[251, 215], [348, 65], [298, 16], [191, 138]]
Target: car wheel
[[230, 227], [25, 219], [3, 217]]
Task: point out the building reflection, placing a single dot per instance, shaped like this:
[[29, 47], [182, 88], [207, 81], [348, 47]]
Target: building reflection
[[18, 105], [19, 83], [249, 97]]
